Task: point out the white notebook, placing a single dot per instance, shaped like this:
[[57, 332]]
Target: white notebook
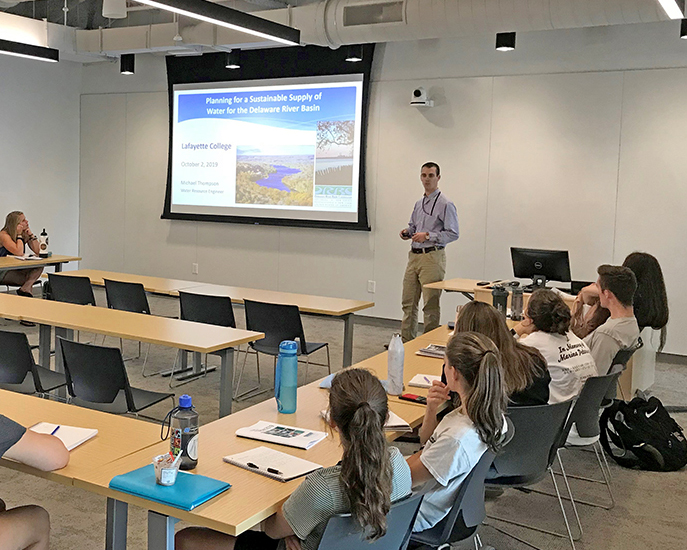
[[272, 432], [69, 435], [273, 464], [393, 424], [423, 380]]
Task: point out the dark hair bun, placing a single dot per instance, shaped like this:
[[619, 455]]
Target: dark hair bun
[[549, 312]]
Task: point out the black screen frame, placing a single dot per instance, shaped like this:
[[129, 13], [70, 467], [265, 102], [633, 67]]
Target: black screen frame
[[294, 62], [556, 262]]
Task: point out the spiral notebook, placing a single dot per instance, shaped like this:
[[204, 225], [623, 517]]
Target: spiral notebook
[[71, 436], [273, 464]]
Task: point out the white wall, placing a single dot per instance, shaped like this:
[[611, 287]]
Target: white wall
[[39, 147], [572, 141]]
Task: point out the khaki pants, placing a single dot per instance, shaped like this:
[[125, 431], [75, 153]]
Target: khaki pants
[[422, 269]]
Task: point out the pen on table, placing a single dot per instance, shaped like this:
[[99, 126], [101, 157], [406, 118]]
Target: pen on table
[[270, 470], [427, 380], [55, 431]]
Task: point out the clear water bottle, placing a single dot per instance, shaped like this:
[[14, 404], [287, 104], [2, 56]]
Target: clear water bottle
[[184, 440], [396, 358], [286, 377], [516, 304]]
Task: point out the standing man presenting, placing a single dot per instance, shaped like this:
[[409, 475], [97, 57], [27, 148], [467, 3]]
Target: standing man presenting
[[433, 224]]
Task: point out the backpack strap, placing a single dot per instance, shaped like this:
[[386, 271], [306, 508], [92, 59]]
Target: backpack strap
[[606, 417]]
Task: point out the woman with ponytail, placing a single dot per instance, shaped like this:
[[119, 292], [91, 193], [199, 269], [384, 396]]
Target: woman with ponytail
[[547, 328], [453, 447], [370, 476]]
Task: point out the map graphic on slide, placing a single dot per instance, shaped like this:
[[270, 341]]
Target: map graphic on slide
[[275, 179]]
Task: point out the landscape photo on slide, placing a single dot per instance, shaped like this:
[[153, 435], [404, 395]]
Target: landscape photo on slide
[[279, 175], [334, 161]]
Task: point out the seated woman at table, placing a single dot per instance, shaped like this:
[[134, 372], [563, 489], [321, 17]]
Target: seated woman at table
[[13, 239], [525, 376], [27, 527], [454, 446], [546, 327], [370, 476]]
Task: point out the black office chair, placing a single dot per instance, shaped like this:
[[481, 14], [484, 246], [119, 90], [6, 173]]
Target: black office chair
[[343, 532], [18, 370], [527, 458], [71, 289], [619, 364], [278, 322], [97, 379], [128, 297], [466, 515], [201, 308]]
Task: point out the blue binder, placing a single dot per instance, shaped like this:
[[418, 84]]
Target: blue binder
[[189, 491]]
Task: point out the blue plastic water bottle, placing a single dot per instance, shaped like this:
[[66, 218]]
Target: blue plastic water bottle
[[286, 377]]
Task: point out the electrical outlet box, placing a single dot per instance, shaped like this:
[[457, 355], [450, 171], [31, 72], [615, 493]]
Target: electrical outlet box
[[194, 269], [371, 286]]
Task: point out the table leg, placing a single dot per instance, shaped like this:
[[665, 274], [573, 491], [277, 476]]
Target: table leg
[[67, 334], [115, 533], [44, 342], [226, 384], [348, 340], [58, 268], [160, 531]]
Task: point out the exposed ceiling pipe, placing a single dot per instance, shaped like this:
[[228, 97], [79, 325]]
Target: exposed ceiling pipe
[[334, 23]]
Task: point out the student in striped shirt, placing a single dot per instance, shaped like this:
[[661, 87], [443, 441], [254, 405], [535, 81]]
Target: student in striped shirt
[[370, 476]]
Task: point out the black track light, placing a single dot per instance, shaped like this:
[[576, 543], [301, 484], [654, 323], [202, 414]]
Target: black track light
[[505, 41], [355, 53], [126, 63], [233, 59]]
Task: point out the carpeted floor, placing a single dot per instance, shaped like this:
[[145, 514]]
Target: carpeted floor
[[650, 509]]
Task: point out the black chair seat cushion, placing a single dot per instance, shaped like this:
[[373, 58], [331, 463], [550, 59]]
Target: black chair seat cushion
[[146, 398], [118, 406], [432, 537], [49, 379], [27, 386], [514, 481]]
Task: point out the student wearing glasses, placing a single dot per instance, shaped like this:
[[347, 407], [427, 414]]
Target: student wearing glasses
[[433, 224]]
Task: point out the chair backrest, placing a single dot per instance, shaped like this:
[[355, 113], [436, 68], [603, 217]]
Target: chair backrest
[[468, 509], [585, 412], [212, 310], [343, 532], [623, 356], [538, 432], [279, 322], [94, 373], [126, 296], [71, 289], [16, 360]]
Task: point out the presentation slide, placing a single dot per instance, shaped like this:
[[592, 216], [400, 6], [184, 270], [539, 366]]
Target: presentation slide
[[283, 148]]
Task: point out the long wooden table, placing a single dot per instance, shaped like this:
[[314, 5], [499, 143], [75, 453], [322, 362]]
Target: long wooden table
[[175, 333], [313, 305], [9, 263], [252, 497]]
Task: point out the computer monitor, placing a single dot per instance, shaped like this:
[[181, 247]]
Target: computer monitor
[[540, 265]]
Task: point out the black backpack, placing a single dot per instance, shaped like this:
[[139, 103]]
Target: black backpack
[[644, 435]]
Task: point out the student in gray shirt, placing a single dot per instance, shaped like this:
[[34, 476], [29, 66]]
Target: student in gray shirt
[[370, 476], [616, 286], [27, 527]]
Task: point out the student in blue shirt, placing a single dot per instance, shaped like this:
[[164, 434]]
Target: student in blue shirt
[[28, 527]]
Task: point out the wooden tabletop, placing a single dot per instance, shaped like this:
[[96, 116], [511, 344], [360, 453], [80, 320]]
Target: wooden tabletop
[[455, 285], [8, 262], [322, 305], [252, 497], [174, 333], [156, 285], [118, 436]]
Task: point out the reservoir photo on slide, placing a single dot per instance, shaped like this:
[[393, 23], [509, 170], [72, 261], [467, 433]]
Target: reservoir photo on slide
[[279, 175], [274, 180]]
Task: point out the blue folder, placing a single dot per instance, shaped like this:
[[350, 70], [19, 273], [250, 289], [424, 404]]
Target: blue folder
[[189, 491]]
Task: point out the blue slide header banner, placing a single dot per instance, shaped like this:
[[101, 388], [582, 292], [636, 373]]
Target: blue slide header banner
[[289, 108]]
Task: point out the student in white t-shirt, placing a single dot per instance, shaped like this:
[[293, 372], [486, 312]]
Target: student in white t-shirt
[[453, 447], [547, 328]]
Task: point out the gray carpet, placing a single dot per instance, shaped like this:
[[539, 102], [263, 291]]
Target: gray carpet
[[650, 506]]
